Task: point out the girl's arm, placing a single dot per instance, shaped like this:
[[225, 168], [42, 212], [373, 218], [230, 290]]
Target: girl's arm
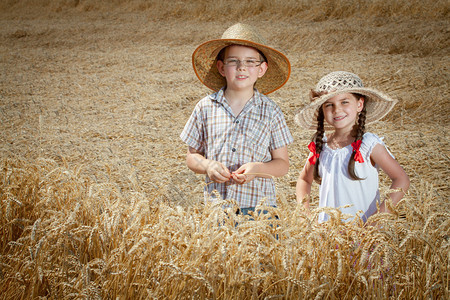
[[304, 182], [392, 168]]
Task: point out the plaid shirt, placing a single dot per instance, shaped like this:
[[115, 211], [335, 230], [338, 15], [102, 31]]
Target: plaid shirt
[[215, 131]]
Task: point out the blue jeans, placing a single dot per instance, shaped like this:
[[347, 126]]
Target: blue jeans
[[246, 211]]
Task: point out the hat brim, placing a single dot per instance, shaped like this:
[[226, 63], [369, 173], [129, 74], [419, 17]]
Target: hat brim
[[378, 105], [204, 60]]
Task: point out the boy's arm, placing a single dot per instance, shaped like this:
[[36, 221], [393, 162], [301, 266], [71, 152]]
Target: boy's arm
[[278, 166], [392, 168], [215, 170], [304, 183]]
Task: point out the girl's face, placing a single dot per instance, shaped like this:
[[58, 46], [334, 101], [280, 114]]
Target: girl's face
[[241, 77], [342, 110]]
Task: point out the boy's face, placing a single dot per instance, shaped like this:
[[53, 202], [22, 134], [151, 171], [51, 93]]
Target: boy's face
[[241, 67]]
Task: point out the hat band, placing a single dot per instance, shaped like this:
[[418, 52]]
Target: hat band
[[315, 95]]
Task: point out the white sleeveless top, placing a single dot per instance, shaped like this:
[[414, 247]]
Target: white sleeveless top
[[338, 189]]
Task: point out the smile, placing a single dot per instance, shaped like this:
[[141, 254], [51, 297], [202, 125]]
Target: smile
[[339, 118]]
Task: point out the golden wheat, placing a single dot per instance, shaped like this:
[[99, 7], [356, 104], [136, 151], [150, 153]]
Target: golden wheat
[[96, 200]]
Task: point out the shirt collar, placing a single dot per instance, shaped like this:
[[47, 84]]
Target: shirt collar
[[219, 96]]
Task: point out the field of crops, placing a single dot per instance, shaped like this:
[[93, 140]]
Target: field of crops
[[96, 198]]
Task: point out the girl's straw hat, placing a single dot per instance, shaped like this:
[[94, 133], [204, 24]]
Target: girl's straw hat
[[204, 59], [377, 104]]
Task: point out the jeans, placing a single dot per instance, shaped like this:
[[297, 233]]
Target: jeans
[[246, 211]]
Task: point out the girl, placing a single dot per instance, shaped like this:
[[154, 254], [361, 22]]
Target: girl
[[345, 162]]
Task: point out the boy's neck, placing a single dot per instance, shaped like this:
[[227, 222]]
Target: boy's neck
[[237, 99]]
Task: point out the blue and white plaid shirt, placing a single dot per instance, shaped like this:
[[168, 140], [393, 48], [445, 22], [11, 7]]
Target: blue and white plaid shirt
[[215, 131]]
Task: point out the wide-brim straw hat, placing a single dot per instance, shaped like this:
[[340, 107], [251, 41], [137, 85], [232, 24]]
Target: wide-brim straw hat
[[378, 104], [204, 59]]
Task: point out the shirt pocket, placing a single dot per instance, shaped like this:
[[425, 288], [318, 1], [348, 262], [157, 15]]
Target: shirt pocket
[[257, 141]]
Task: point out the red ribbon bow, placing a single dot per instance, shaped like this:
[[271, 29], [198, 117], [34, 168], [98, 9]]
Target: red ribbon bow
[[358, 156], [315, 156]]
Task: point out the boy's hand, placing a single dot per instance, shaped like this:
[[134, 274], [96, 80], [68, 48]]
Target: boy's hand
[[217, 172], [241, 176]]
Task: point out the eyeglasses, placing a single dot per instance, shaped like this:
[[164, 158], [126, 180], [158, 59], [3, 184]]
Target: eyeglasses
[[249, 63]]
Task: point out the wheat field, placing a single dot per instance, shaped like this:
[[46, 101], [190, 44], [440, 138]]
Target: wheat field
[[96, 199]]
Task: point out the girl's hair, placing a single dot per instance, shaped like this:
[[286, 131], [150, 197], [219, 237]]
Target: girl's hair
[[318, 140], [358, 130]]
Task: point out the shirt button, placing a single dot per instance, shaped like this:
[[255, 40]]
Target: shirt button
[[237, 122], [233, 149]]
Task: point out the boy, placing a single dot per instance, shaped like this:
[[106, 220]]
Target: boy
[[237, 136]]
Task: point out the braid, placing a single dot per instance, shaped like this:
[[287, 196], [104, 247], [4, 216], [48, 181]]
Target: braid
[[360, 130], [318, 140]]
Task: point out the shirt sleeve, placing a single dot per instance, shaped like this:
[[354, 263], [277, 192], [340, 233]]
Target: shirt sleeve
[[281, 136], [192, 133], [370, 140]]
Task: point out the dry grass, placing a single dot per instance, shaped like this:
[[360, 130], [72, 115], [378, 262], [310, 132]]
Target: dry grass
[[207, 10], [96, 200]]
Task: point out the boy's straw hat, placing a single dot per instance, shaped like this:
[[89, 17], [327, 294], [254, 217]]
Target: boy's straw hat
[[378, 104], [204, 59]]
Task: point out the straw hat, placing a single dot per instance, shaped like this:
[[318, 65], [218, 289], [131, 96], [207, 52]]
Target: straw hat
[[204, 59], [378, 104]]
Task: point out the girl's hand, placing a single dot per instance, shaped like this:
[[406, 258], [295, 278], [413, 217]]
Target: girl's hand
[[400, 180], [304, 183]]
